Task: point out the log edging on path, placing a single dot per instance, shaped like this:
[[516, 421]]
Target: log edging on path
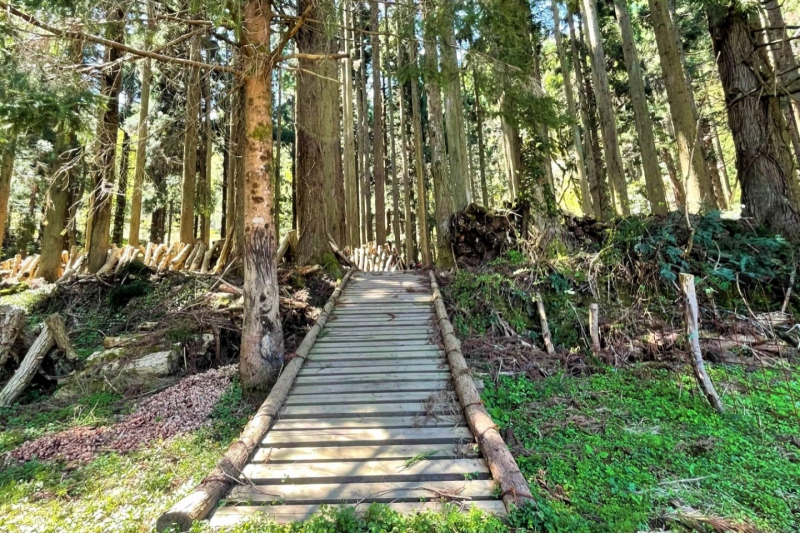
[[197, 504], [514, 488]]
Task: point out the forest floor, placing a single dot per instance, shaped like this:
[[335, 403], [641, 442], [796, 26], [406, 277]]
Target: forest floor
[[619, 441]]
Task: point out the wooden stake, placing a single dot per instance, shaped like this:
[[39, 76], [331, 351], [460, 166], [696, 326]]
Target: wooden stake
[[548, 342], [594, 327], [692, 331], [197, 504], [514, 488]]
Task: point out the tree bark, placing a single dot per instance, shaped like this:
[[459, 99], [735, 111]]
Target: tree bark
[[677, 184], [317, 135], [580, 163], [100, 220], [278, 143], [7, 157], [419, 162], [190, 139], [698, 189], [122, 191], [363, 146], [262, 335], [654, 183], [441, 183], [616, 173], [54, 214], [352, 218], [206, 208], [723, 166], [377, 128], [712, 164], [760, 152], [454, 112]]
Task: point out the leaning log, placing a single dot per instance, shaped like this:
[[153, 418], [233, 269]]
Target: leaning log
[[197, 504], [53, 329], [287, 242], [513, 486], [693, 333], [548, 341]]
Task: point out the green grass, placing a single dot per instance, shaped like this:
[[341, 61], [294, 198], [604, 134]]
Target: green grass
[[607, 453]]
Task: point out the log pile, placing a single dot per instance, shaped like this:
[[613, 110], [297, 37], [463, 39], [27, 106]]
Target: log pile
[[175, 257], [478, 234], [586, 229], [371, 257]]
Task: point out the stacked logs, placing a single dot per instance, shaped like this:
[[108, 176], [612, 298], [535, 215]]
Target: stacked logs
[[175, 257], [372, 257], [478, 234], [586, 229]]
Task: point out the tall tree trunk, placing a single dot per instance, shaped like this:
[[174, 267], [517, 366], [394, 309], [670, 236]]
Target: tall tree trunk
[[580, 163], [441, 183], [760, 152], [654, 183], [616, 174], [122, 191], [786, 64], [7, 155], [377, 128], [393, 159], [223, 226], [723, 166], [262, 336], [481, 143], [699, 191], [512, 149], [190, 139], [236, 195], [142, 133], [363, 130], [454, 111], [317, 134], [411, 257], [712, 164], [594, 165], [55, 211], [677, 184], [419, 162], [278, 143], [206, 208], [352, 218], [543, 133], [107, 143]]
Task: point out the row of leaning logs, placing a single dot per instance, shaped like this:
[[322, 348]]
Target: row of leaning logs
[[177, 257], [372, 257]]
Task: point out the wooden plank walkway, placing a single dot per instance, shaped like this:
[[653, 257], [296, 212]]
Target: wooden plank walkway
[[371, 418]]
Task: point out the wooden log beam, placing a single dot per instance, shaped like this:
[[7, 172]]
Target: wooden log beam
[[197, 504], [12, 322], [53, 328], [548, 341], [594, 327], [514, 488]]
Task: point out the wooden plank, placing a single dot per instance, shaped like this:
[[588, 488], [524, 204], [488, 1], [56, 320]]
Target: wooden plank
[[355, 453], [365, 342], [365, 409], [377, 386], [285, 514], [374, 361], [342, 355], [383, 299], [365, 437], [420, 337], [365, 471], [380, 377], [422, 421], [331, 369], [363, 348], [381, 322], [350, 329], [359, 398]]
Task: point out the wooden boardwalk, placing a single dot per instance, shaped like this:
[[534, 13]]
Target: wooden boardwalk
[[371, 417]]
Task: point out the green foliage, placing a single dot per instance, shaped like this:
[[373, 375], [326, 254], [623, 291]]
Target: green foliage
[[229, 415], [618, 444], [483, 300]]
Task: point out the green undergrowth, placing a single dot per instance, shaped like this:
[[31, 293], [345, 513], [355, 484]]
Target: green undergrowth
[[619, 450], [113, 492]]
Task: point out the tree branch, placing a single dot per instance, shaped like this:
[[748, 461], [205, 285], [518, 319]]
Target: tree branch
[[81, 36], [275, 54]]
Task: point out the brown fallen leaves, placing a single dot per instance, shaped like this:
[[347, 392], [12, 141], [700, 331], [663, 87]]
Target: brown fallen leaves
[[182, 408]]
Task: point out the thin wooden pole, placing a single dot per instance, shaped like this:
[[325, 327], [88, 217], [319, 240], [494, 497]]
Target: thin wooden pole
[[693, 333], [548, 342], [594, 327]]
